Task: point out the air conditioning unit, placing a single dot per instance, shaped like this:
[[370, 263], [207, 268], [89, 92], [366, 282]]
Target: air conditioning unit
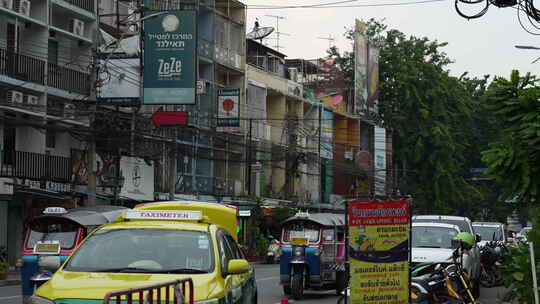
[[32, 100], [15, 97], [8, 4], [77, 27], [69, 111], [293, 74], [24, 7]]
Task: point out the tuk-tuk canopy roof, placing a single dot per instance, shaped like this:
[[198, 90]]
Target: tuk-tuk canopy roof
[[324, 219], [88, 216]]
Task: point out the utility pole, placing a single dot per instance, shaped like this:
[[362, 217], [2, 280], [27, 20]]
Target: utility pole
[[91, 150], [278, 33]]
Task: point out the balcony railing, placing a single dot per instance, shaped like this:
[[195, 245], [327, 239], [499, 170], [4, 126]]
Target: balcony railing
[[84, 4], [22, 67], [35, 166], [68, 79]]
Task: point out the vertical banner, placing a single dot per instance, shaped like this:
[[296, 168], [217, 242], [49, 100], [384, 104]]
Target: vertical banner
[[380, 160], [228, 109], [170, 57], [327, 130], [379, 252], [373, 79], [360, 68]]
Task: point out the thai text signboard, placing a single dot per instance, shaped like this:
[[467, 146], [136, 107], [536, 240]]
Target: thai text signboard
[[169, 57], [379, 252]]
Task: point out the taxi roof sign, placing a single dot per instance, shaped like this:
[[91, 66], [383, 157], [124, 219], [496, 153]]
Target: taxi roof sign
[[175, 215], [55, 210]]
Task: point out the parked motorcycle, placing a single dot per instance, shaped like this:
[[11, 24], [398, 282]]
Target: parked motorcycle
[[273, 252], [446, 284], [491, 255]]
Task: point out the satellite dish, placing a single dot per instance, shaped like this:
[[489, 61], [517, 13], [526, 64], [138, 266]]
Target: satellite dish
[[260, 32]]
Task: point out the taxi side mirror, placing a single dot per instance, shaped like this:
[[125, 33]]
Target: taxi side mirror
[[239, 266], [478, 238]]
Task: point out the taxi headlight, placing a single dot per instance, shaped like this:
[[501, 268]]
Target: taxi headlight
[[39, 300], [212, 301]]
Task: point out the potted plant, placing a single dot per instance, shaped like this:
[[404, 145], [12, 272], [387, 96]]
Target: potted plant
[[4, 267]]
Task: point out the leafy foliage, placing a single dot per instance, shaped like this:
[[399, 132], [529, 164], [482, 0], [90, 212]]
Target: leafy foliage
[[515, 160], [426, 108], [516, 269]]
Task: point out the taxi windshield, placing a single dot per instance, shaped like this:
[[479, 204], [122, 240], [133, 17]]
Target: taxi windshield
[[145, 251], [489, 233]]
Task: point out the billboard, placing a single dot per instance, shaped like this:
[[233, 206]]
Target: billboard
[[228, 109], [360, 68], [379, 252], [120, 81], [327, 130], [138, 179], [170, 58], [380, 160]]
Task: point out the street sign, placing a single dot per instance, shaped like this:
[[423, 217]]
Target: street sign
[[176, 118]]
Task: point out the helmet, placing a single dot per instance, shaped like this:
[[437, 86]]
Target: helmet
[[466, 239]]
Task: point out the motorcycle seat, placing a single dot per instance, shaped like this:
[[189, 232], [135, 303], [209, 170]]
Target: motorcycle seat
[[426, 279]]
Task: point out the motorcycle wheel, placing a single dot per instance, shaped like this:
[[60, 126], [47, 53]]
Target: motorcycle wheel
[[487, 278], [297, 286]]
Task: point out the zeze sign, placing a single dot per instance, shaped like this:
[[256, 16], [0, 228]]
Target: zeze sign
[[169, 58]]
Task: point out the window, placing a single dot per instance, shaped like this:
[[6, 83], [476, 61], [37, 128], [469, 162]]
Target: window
[[63, 232], [52, 55], [432, 237], [225, 251]]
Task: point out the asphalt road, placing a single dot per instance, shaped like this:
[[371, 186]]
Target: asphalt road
[[270, 292]]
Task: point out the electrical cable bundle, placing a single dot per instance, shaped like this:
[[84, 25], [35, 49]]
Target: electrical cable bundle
[[521, 6]]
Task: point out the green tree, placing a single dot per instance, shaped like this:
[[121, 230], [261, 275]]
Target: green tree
[[514, 160], [426, 108]]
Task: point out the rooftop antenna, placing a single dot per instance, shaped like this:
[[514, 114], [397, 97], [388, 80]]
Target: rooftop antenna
[[278, 33], [259, 32], [330, 40]]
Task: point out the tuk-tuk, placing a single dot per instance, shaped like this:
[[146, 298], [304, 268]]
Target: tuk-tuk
[[50, 238], [313, 253]]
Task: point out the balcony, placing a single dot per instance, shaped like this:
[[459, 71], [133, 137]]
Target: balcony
[[68, 79], [35, 166], [22, 67]]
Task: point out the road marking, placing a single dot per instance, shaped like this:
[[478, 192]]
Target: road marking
[[13, 297], [266, 279]]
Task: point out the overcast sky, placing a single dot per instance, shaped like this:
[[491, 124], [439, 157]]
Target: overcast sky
[[480, 46]]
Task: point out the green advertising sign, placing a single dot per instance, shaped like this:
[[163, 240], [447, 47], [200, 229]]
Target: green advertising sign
[[170, 58]]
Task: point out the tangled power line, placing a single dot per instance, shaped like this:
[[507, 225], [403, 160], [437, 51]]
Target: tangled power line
[[525, 10]]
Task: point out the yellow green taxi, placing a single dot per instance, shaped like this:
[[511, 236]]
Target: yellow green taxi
[[154, 243]]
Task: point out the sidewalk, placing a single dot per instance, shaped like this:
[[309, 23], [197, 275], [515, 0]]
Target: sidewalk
[[13, 278]]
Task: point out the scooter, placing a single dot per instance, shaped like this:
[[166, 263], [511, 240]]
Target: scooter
[[273, 252]]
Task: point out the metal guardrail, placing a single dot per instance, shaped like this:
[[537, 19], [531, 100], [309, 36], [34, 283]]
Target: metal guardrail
[[22, 67], [35, 166], [151, 294], [67, 79], [84, 4]]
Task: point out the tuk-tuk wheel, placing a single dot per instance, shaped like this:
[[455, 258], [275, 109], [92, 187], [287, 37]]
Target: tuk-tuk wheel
[[286, 290], [341, 282], [297, 286]]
